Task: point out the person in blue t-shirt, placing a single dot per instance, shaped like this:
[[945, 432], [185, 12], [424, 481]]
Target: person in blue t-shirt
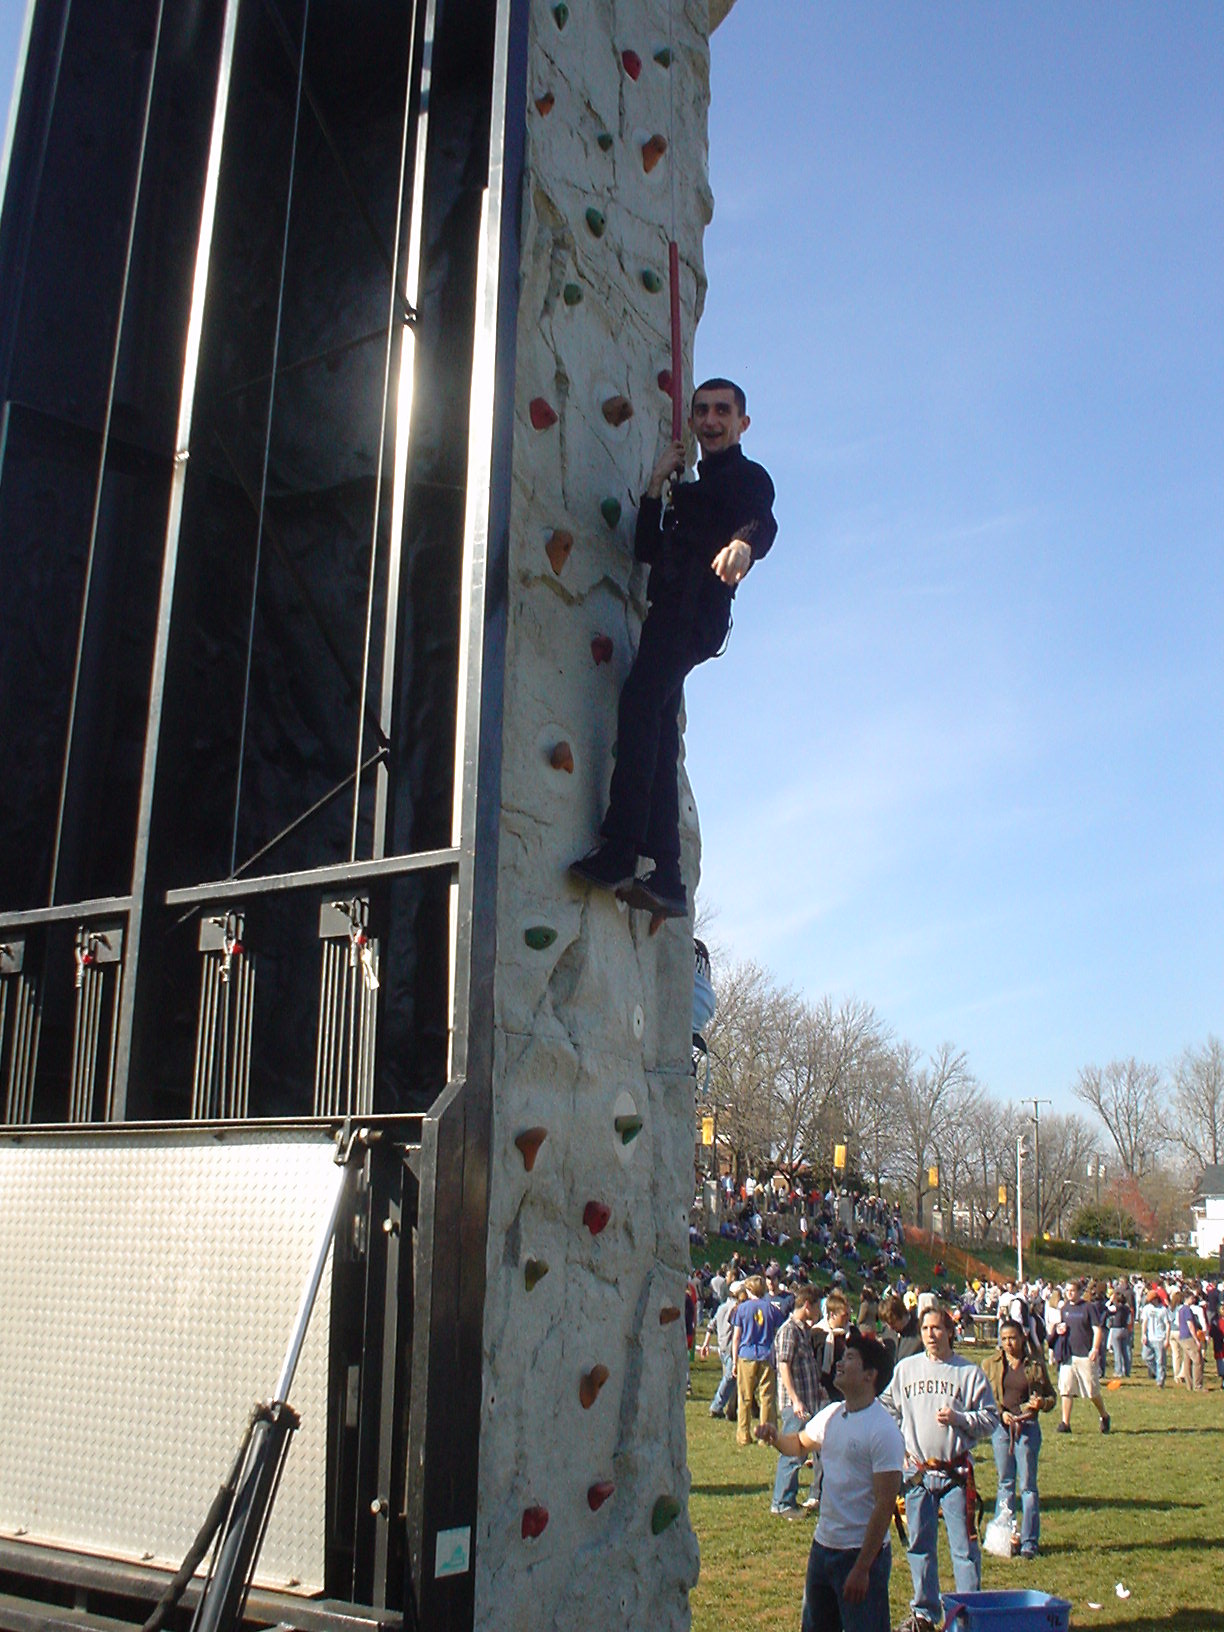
[[754, 1325]]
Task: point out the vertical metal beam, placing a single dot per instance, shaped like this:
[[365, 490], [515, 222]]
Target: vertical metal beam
[[410, 289], [182, 443], [444, 1437]]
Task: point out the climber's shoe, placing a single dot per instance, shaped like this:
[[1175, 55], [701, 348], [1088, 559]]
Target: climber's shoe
[[661, 893], [609, 866]]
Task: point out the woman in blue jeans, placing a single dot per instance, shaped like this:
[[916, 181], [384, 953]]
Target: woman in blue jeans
[[1022, 1391]]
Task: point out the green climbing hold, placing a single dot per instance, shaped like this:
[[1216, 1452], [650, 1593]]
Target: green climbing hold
[[539, 937], [610, 510], [651, 281], [534, 1271], [662, 56], [628, 1127], [561, 13], [596, 222], [665, 1511], [605, 140], [571, 294]]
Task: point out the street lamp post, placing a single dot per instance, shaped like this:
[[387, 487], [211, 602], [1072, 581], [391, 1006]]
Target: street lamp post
[[1036, 1120], [1020, 1153]]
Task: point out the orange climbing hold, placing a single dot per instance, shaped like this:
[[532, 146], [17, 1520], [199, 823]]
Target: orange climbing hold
[[657, 920], [562, 758], [652, 151], [528, 1143], [535, 1522], [589, 1387], [618, 410], [558, 549], [543, 414], [602, 649], [598, 1494], [632, 62], [595, 1216], [668, 1313], [546, 103]]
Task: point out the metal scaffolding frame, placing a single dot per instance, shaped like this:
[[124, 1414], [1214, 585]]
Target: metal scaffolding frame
[[426, 1193]]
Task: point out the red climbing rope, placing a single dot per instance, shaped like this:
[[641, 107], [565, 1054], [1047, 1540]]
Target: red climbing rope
[[677, 366], [673, 250]]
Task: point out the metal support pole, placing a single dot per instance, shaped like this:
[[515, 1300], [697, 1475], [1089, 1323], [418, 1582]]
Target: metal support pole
[[1037, 1104]]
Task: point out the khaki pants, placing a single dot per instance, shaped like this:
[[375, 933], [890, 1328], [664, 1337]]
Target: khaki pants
[[1192, 1364], [1175, 1357], [757, 1384]]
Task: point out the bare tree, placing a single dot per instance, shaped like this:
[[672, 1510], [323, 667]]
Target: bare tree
[[744, 1045], [1068, 1146], [1126, 1096], [796, 1081], [866, 1111], [1197, 1118], [991, 1130], [841, 1041], [925, 1097]]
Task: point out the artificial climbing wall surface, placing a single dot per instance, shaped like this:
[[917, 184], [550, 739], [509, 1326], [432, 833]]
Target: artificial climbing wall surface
[[583, 1518]]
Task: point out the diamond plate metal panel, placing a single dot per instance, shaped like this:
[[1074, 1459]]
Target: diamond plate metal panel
[[148, 1288]]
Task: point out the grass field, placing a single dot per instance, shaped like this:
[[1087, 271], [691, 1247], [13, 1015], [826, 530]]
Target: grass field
[[1143, 1506]]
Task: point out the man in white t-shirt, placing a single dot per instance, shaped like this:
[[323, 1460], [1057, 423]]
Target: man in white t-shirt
[[862, 1454]]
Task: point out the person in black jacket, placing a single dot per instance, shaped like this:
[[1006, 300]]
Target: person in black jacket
[[699, 548], [903, 1335]]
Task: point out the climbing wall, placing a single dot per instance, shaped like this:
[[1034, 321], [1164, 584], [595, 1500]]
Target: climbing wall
[[583, 1517]]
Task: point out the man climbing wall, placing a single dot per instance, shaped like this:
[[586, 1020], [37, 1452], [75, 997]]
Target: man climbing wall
[[699, 546]]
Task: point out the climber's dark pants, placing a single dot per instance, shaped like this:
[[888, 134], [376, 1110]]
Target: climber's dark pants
[[644, 806]]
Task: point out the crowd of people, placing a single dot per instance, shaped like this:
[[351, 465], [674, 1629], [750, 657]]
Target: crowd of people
[[871, 1393]]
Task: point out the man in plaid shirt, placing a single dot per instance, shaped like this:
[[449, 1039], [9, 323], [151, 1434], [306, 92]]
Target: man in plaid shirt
[[798, 1393]]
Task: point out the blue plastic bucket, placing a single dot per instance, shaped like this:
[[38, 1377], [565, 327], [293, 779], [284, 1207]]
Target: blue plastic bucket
[[1005, 1612]]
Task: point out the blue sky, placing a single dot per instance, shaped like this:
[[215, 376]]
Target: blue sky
[[964, 756]]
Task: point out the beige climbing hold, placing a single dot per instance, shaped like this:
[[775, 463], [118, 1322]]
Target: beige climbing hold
[[618, 410], [558, 549], [652, 151], [589, 1387]]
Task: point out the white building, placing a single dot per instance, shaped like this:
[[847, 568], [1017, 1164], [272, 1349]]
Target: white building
[[1208, 1211]]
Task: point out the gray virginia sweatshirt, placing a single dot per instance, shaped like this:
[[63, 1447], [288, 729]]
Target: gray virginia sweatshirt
[[921, 1387]]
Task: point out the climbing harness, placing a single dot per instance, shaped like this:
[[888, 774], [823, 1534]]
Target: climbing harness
[[957, 1471]]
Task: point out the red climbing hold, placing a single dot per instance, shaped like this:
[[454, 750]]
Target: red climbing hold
[[528, 1143], [542, 413], [546, 103], [652, 152], [663, 379], [562, 758], [632, 62], [558, 548], [598, 1494], [535, 1522], [602, 649], [618, 410], [595, 1216], [589, 1387], [668, 1313]]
